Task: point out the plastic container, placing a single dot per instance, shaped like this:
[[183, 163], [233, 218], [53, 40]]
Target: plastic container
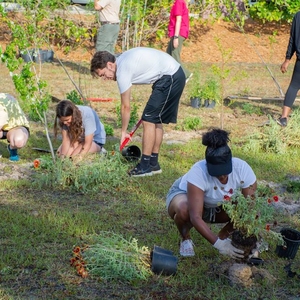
[[162, 250], [163, 263], [292, 240], [42, 56], [195, 102], [28, 56], [132, 153], [38, 56]]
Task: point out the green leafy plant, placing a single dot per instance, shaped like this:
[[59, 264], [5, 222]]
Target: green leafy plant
[[75, 97], [251, 109], [92, 173], [133, 115], [253, 216], [191, 123], [111, 257], [109, 130], [210, 90]]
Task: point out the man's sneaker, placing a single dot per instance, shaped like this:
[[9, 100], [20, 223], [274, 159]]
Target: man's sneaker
[[282, 121], [155, 169], [13, 154], [188, 78], [187, 248], [139, 172]]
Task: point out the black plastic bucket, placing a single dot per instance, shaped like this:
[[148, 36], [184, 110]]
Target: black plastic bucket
[[44, 56], [162, 250], [292, 240], [132, 153], [163, 263], [195, 102], [28, 56]]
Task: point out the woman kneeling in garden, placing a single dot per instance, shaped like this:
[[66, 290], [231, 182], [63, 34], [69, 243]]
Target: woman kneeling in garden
[[81, 129], [194, 199]]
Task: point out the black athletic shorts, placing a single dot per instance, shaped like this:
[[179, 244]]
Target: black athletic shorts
[[162, 106]]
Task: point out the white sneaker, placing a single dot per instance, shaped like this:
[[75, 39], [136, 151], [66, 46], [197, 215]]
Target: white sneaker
[[103, 151], [187, 248]]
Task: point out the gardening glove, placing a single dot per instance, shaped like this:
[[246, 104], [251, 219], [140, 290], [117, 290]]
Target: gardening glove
[[226, 248]]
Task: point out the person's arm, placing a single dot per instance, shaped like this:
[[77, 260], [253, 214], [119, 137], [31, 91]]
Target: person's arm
[[196, 207], [177, 31], [284, 66], [65, 145], [249, 191], [125, 114], [97, 6], [86, 146], [290, 48]]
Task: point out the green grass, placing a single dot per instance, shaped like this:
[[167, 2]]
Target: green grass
[[40, 227]]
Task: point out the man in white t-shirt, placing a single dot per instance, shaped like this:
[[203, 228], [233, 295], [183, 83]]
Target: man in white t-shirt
[[194, 199], [145, 66]]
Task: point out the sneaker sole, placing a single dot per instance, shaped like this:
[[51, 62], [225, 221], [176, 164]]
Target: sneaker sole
[[141, 175], [157, 172], [187, 255]]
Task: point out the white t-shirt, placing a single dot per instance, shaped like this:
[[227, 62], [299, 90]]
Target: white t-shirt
[[242, 176], [110, 10], [143, 65]]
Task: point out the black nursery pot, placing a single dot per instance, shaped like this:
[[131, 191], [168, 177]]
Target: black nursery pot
[[132, 153], [163, 262], [292, 240], [195, 102], [162, 250]]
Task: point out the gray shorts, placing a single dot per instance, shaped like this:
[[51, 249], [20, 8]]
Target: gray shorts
[[209, 213]]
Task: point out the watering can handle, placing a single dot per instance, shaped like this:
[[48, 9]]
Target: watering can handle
[[126, 140]]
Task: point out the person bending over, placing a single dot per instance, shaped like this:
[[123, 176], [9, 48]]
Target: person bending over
[[144, 66], [14, 126], [195, 199], [81, 129]]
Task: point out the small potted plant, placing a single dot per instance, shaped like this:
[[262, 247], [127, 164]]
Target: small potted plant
[[209, 92], [253, 219], [206, 94]]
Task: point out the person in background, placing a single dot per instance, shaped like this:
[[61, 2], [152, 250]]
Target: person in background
[[14, 126], [108, 32], [81, 129], [144, 66], [293, 47], [195, 198], [178, 31]]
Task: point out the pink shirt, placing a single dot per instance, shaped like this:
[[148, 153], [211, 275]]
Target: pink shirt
[[179, 8]]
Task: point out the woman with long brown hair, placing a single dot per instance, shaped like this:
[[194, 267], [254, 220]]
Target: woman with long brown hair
[[81, 129]]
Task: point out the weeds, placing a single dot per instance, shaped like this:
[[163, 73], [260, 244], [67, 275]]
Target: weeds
[[110, 256], [190, 123], [92, 174]]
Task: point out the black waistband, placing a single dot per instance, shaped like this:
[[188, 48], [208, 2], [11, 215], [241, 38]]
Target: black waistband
[[111, 23]]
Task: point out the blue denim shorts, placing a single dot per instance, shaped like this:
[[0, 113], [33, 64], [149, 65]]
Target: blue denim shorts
[[209, 213]]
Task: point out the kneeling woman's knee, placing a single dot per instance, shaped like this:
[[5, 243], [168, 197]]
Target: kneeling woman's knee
[[182, 211]]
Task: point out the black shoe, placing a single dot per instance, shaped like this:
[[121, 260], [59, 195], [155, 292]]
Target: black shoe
[[282, 121], [139, 172], [156, 169]]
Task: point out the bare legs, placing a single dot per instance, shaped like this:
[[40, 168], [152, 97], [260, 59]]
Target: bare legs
[[152, 137], [17, 137]]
